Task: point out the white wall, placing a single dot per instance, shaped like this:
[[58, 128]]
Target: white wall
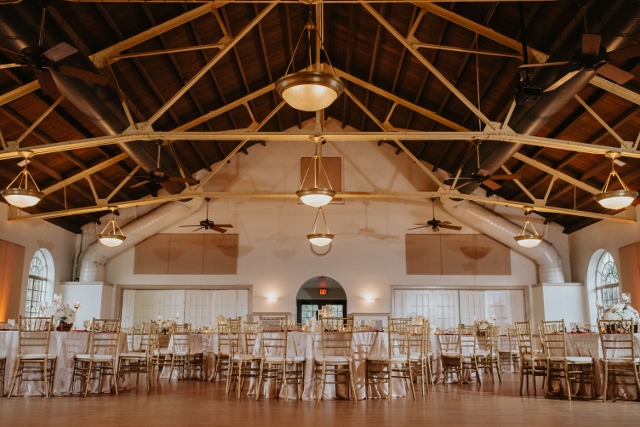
[[368, 253], [36, 234], [607, 235]]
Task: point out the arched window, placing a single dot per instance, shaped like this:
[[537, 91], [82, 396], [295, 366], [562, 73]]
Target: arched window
[[37, 285], [607, 282]]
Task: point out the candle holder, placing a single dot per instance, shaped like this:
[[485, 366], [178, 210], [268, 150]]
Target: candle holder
[[77, 303], [57, 298]]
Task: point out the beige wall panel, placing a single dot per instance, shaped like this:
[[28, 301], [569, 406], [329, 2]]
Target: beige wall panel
[[423, 254], [185, 253], [11, 273], [152, 255], [458, 254], [492, 257], [629, 270], [220, 254]]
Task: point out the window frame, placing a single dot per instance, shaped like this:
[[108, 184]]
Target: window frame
[[37, 283], [607, 281]]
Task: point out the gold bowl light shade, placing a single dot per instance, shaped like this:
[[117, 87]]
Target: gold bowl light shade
[[617, 199], [22, 197], [528, 240], [111, 240], [309, 90], [316, 197], [320, 239]]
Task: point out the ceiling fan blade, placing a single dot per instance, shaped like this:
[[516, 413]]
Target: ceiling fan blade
[[198, 229], [622, 55], [491, 184], [140, 184], [190, 225], [14, 65], [591, 44], [47, 84], [562, 81], [451, 227], [59, 51], [13, 56], [87, 76], [218, 229], [614, 73], [505, 176], [224, 225], [462, 178], [545, 64], [191, 181], [464, 185], [422, 226]]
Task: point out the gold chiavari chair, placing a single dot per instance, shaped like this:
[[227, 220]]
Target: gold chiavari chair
[[235, 350], [139, 361], [336, 360], [509, 353], [274, 359], [221, 352], [3, 364], [559, 364], [450, 356], [397, 360], [619, 357], [487, 356], [34, 335], [245, 362], [532, 364], [421, 354], [468, 340], [100, 357]]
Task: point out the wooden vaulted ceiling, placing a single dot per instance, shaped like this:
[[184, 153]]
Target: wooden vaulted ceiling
[[381, 74]]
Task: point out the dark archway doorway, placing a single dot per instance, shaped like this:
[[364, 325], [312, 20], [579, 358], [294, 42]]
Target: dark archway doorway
[[317, 292]]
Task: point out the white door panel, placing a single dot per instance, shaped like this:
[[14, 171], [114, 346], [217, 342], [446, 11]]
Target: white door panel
[[471, 306]]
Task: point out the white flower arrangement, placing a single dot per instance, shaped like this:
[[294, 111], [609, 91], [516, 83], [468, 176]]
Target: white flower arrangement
[[62, 313], [621, 311], [482, 324], [166, 325]]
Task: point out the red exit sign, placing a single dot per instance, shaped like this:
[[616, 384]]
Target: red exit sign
[[323, 291]]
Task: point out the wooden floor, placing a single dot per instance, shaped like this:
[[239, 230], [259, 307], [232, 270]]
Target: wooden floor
[[183, 403]]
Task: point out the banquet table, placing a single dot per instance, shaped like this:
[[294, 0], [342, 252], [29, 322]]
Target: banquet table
[[206, 343], [308, 345], [65, 345], [588, 344]]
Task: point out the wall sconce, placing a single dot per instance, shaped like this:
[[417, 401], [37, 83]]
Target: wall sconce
[[272, 298], [369, 299]]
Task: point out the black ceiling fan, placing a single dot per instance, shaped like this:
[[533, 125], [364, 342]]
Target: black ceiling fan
[[207, 224], [436, 224], [158, 176], [43, 61], [594, 56]]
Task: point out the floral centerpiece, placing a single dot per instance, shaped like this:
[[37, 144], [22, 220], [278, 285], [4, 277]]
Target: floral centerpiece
[[621, 311], [62, 314], [165, 325]]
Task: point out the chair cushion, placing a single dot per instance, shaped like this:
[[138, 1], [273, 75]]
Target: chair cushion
[[333, 359], [621, 361], [279, 359], [579, 360], [529, 357], [385, 359], [245, 357], [36, 356], [96, 357], [133, 355], [416, 356], [450, 354]]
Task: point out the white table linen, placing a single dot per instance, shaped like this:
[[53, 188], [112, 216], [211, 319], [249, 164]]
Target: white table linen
[[65, 345]]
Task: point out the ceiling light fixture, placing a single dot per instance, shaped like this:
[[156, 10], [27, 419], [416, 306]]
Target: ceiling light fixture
[[111, 235], [309, 90], [320, 239], [316, 196], [525, 239], [22, 196], [615, 199]]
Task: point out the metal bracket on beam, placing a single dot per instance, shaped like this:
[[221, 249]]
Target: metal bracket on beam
[[498, 129]]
